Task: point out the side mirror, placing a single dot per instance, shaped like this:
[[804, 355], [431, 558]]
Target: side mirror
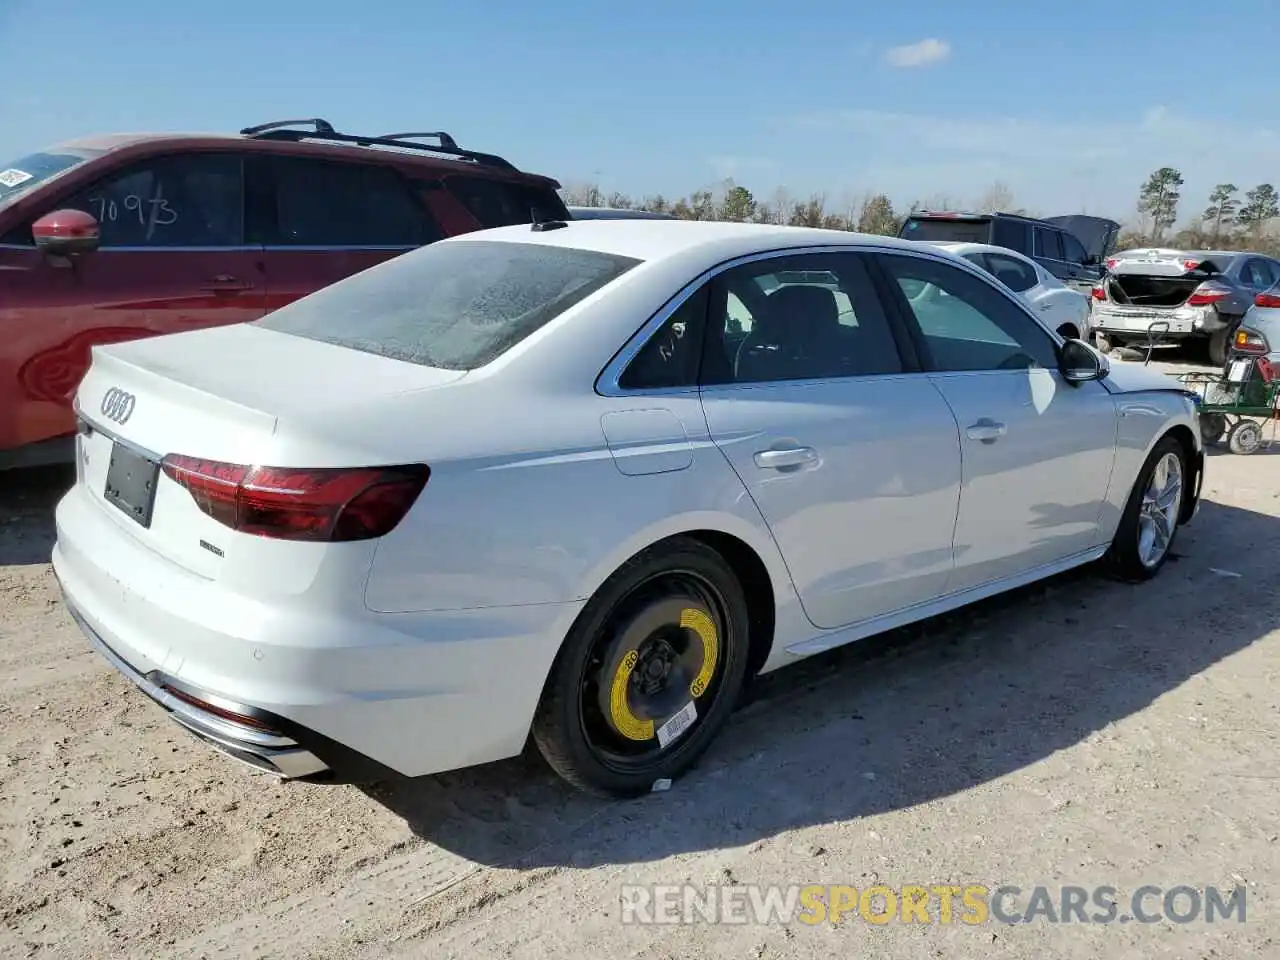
[[66, 233], [1080, 363]]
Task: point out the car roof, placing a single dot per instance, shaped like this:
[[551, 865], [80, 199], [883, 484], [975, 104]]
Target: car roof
[[303, 146], [663, 239], [960, 248]]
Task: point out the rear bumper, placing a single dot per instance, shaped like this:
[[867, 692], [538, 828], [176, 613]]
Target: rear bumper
[[330, 693], [1183, 322]]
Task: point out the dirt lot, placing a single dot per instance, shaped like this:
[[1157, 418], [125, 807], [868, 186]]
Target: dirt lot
[[1080, 732]]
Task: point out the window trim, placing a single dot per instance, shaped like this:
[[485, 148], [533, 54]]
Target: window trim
[[902, 309], [607, 381], [243, 157], [1035, 244]]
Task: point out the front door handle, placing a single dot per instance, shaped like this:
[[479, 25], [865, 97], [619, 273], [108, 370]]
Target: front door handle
[[986, 430], [225, 283], [781, 459]]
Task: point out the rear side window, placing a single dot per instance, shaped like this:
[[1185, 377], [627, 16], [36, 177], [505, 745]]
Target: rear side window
[[321, 203], [1048, 244], [497, 203], [1018, 275], [455, 305], [1073, 250]]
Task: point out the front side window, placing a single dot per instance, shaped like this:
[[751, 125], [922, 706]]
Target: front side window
[[803, 317], [186, 200], [967, 323], [455, 305], [323, 203]]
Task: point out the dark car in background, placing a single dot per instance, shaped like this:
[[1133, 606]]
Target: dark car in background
[[119, 237], [1072, 248]]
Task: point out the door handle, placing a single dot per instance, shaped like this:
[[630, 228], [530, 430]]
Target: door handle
[[781, 459], [986, 430], [225, 283]]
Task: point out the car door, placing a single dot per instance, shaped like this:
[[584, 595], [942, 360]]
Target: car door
[[172, 257], [849, 452], [325, 220], [1080, 275], [1037, 452]]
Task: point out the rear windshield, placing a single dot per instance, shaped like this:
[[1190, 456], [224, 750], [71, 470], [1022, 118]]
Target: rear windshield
[[947, 230], [21, 175], [455, 305]]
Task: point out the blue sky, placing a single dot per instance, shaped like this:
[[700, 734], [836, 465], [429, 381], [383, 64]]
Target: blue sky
[[1071, 105]]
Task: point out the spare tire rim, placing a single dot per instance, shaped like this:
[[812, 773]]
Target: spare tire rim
[[654, 671]]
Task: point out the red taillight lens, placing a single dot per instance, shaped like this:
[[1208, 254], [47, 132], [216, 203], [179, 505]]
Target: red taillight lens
[[1111, 263], [1205, 296], [329, 504], [1267, 300], [1190, 264], [1098, 293]]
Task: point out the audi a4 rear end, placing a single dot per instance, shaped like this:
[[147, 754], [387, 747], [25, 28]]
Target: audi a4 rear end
[[577, 482]]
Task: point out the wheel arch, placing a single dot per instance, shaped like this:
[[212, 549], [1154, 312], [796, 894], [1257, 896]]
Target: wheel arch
[[1194, 461]]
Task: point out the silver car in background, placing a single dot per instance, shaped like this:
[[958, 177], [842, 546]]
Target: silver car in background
[[1170, 295]]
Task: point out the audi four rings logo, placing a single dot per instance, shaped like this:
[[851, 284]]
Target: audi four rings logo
[[118, 405]]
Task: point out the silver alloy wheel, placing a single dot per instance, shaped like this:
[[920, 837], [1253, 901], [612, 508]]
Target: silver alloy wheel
[[1161, 504]]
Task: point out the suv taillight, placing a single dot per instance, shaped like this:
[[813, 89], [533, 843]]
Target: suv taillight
[[326, 504], [1250, 342], [1208, 294], [1267, 300]]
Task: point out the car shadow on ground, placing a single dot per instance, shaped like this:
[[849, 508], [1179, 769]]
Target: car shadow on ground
[[894, 721], [27, 499]]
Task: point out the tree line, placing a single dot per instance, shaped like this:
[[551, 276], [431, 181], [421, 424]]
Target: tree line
[[1230, 221]]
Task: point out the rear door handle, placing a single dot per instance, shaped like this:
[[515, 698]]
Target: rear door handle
[[790, 457], [986, 430]]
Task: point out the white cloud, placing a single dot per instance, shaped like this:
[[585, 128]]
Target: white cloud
[[927, 51], [1051, 165]]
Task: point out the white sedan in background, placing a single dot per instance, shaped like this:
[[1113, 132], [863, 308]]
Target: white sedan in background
[[543, 481], [1060, 307]]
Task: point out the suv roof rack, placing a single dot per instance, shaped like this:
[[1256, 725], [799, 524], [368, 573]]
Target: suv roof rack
[[323, 130]]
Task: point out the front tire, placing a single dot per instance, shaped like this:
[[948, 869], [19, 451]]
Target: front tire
[[1151, 517], [649, 673]]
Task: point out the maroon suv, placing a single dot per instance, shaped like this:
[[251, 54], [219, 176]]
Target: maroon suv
[[119, 237]]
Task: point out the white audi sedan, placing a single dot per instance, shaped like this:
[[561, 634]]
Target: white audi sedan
[[578, 482], [1060, 308]]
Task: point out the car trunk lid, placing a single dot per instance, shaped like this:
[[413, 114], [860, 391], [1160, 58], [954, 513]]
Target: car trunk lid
[[237, 394], [1096, 234]]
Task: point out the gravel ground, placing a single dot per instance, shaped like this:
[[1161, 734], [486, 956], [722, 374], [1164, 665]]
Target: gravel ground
[[1076, 733]]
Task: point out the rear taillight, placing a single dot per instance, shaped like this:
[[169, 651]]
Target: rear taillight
[[1111, 264], [1098, 293], [328, 504], [1190, 264], [1207, 294], [1250, 341], [1267, 300]]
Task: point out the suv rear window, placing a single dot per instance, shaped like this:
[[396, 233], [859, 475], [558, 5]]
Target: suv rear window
[[947, 230], [455, 305]]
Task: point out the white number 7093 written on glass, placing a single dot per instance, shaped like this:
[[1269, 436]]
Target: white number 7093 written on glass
[[150, 213]]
